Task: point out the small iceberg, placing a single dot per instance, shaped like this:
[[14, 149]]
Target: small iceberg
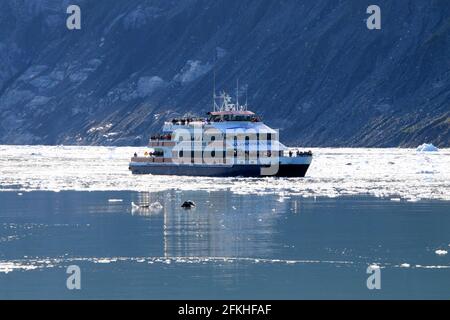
[[405, 265], [156, 206], [427, 148], [152, 207], [441, 252]]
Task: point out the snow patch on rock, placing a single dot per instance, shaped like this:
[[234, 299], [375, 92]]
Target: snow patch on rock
[[147, 85], [33, 72], [193, 70], [44, 82], [39, 101]]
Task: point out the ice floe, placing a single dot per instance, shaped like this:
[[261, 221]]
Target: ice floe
[[388, 173], [7, 267], [405, 265], [30, 264]]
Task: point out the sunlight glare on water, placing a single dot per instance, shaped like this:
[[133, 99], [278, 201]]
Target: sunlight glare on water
[[403, 173]]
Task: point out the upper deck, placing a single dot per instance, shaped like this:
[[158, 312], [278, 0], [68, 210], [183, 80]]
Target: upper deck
[[225, 116], [233, 115]]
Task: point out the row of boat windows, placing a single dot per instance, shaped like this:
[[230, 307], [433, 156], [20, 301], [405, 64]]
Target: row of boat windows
[[247, 138], [247, 154]]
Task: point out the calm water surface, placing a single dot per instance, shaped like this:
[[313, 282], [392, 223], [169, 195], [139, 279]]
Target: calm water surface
[[230, 246]]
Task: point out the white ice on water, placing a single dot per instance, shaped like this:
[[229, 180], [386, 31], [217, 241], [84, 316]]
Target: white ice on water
[[441, 252], [393, 173]]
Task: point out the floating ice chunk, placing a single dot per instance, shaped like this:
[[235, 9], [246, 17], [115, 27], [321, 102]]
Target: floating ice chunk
[[156, 206], [145, 208], [427, 148], [441, 252], [115, 200], [105, 260], [395, 199], [6, 267], [405, 265]]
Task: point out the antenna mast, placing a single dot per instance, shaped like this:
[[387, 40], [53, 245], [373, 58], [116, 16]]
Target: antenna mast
[[246, 97], [214, 89], [237, 94]]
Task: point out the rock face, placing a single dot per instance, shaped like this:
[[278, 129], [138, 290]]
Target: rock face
[[311, 68]]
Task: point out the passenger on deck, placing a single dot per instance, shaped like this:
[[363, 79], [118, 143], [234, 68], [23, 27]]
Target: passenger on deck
[[298, 153], [290, 153], [135, 155]]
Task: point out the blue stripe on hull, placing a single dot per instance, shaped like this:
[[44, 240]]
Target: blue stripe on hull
[[291, 170]]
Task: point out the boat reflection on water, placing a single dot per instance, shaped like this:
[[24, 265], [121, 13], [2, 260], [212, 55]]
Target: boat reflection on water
[[218, 227]]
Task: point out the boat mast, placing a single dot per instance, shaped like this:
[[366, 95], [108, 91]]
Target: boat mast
[[214, 89], [237, 94], [246, 97]]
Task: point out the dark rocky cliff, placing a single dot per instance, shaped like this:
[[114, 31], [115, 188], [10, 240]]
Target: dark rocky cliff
[[311, 68]]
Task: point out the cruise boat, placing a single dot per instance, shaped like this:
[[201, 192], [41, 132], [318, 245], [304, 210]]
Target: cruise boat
[[230, 142]]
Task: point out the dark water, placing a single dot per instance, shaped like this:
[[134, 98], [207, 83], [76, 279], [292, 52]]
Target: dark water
[[230, 246]]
